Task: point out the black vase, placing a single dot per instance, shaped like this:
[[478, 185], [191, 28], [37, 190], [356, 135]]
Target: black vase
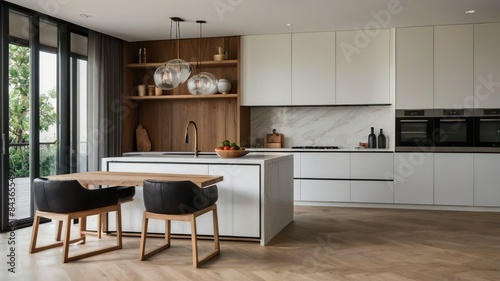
[[381, 140], [372, 139]]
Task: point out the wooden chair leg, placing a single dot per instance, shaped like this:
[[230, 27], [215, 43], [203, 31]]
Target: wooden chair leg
[[119, 227], [167, 231], [216, 250], [194, 241], [82, 222], [58, 230], [99, 226], [34, 232], [142, 247], [216, 229], [66, 241]]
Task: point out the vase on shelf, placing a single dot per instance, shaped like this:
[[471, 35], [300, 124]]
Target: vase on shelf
[[381, 140], [224, 86], [372, 139]]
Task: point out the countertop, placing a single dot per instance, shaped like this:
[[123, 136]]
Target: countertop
[[203, 157], [261, 152], [281, 150]]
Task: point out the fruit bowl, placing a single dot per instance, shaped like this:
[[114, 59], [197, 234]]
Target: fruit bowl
[[231, 153]]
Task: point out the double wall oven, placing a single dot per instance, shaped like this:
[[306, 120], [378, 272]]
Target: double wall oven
[[460, 130]]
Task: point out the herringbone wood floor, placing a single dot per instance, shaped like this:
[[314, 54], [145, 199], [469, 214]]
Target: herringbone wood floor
[[323, 243]]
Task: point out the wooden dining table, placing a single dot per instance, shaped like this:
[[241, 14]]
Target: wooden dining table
[[130, 178]]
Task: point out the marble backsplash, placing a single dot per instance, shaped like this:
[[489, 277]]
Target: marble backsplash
[[344, 126]]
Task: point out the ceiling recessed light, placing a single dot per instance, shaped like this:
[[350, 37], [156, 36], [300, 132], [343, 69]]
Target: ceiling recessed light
[[87, 16], [289, 24], [470, 11]]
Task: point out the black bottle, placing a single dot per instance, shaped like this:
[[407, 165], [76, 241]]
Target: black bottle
[[372, 139], [381, 140]]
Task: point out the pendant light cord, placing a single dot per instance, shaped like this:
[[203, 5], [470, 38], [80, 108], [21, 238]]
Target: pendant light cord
[[199, 46]]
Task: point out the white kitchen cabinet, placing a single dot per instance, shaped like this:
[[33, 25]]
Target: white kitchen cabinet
[[415, 67], [414, 178], [313, 68], [372, 166], [237, 189], [486, 65], [239, 200], [325, 190], [453, 66], [372, 191], [486, 180], [363, 67], [296, 175], [266, 70], [325, 165], [453, 179]]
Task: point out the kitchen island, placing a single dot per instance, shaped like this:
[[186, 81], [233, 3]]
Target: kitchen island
[[255, 197]]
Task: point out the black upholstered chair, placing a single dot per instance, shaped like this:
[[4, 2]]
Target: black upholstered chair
[[179, 200], [67, 200]]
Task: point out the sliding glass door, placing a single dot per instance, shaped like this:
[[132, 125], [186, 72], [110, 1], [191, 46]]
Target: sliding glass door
[[19, 123], [43, 104]]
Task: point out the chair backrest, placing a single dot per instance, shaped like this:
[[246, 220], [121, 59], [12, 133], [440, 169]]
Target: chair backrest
[[69, 196], [177, 197]]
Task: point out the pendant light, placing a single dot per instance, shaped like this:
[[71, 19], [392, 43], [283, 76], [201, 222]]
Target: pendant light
[[203, 83], [175, 71]]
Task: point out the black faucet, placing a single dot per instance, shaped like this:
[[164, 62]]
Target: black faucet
[[186, 137]]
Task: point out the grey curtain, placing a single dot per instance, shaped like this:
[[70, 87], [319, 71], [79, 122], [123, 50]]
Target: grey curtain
[[105, 104]]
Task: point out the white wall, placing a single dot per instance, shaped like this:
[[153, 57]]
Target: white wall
[[344, 126]]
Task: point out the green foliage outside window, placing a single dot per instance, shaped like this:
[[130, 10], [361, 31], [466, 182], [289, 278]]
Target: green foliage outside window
[[19, 116]]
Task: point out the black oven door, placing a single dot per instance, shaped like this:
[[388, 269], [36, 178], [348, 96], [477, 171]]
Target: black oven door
[[414, 132], [487, 131], [454, 131]]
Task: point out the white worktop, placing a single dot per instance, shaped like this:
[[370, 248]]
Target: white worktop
[[203, 157], [285, 150]]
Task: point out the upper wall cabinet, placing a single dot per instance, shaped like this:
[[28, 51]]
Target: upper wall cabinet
[[453, 66], [266, 70], [487, 65], [415, 67], [363, 66], [313, 68]]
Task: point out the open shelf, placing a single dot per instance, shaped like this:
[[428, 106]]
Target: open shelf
[[182, 97], [203, 63]]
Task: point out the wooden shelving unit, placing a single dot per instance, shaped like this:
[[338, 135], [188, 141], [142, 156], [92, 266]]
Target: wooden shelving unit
[[181, 97], [203, 63], [218, 116]]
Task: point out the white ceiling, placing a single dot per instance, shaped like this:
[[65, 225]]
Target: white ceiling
[[134, 20]]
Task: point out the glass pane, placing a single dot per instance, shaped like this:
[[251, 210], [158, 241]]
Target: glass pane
[[82, 155], [413, 132], [489, 132], [453, 132], [79, 90], [19, 112], [48, 98]]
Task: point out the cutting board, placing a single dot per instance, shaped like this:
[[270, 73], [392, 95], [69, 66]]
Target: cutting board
[[143, 142], [274, 140]]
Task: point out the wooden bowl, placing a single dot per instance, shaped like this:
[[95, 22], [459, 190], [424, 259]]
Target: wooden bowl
[[231, 153]]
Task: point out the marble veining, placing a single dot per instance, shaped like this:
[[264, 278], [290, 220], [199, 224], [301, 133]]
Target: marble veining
[[344, 126]]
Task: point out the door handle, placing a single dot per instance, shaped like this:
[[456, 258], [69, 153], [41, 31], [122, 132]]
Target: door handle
[[4, 145]]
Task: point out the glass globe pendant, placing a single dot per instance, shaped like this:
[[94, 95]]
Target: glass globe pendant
[[166, 78], [202, 83], [182, 67]]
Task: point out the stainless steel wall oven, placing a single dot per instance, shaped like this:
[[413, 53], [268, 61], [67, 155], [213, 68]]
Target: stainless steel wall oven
[[414, 128], [454, 127], [487, 128]]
